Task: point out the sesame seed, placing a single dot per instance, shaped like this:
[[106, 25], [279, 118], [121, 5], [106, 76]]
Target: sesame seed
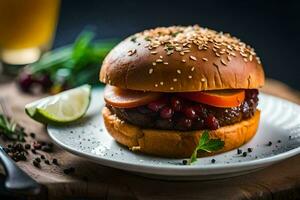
[[205, 59], [190, 77], [161, 57], [161, 83], [193, 58], [159, 60], [178, 71], [183, 60], [150, 70], [156, 85], [154, 63], [181, 39], [166, 63], [192, 69], [250, 57], [131, 52], [245, 59], [175, 79], [203, 80], [223, 62], [229, 58], [171, 88], [215, 64]]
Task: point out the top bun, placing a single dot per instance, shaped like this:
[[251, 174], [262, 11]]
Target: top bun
[[182, 59]]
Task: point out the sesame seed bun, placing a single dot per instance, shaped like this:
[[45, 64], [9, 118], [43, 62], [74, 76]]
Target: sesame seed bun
[[182, 59], [177, 144]]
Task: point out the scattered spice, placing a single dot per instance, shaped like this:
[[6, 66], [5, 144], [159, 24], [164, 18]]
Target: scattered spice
[[27, 146], [184, 162], [43, 157], [213, 160], [250, 150], [270, 143], [279, 141], [239, 151], [47, 162], [32, 135], [69, 170], [16, 151], [55, 161], [47, 148], [244, 154], [36, 164]]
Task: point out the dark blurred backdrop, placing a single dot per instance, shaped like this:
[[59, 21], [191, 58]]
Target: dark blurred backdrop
[[272, 28]]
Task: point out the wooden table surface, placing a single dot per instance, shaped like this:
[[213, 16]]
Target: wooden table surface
[[94, 181]]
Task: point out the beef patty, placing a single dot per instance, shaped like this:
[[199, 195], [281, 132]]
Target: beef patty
[[190, 115]]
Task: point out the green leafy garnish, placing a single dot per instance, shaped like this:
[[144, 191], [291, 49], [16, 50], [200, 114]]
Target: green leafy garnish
[[10, 129], [69, 66], [207, 145]]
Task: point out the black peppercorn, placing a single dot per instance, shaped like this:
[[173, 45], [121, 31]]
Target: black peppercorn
[[36, 164], [184, 162], [270, 143], [32, 135], [244, 154], [27, 146], [213, 160], [69, 170], [46, 148], [55, 161], [250, 150], [239, 151]]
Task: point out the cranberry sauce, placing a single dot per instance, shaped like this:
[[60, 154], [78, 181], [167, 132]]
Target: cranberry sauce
[[175, 113]]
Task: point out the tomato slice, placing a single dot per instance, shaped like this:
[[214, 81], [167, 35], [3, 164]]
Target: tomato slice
[[123, 98], [217, 98]]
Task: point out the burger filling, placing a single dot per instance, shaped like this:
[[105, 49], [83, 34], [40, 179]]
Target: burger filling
[[183, 111]]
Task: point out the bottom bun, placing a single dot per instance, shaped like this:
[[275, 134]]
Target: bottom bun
[[176, 144]]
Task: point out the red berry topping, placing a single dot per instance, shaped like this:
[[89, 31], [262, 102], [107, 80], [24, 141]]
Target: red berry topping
[[200, 110], [166, 112], [157, 104], [25, 81], [185, 122], [212, 122], [190, 112], [176, 103]]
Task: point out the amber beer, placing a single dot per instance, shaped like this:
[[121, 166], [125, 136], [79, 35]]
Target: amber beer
[[26, 29]]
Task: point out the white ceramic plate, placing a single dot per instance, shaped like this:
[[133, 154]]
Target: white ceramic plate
[[280, 124]]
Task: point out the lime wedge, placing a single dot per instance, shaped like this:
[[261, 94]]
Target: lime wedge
[[62, 108]]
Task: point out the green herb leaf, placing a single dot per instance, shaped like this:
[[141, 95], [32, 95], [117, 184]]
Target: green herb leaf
[[11, 129], [206, 144], [82, 59]]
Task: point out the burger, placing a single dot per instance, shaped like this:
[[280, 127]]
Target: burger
[[167, 86]]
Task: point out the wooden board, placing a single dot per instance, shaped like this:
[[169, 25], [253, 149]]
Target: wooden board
[[95, 181]]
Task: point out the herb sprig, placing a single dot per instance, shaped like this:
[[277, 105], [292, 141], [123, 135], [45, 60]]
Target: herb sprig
[[206, 144], [68, 66], [10, 129]]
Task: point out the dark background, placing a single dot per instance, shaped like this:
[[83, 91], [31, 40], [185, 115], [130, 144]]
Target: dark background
[[272, 28]]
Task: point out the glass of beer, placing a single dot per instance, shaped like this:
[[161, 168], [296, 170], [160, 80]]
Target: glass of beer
[[26, 29]]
